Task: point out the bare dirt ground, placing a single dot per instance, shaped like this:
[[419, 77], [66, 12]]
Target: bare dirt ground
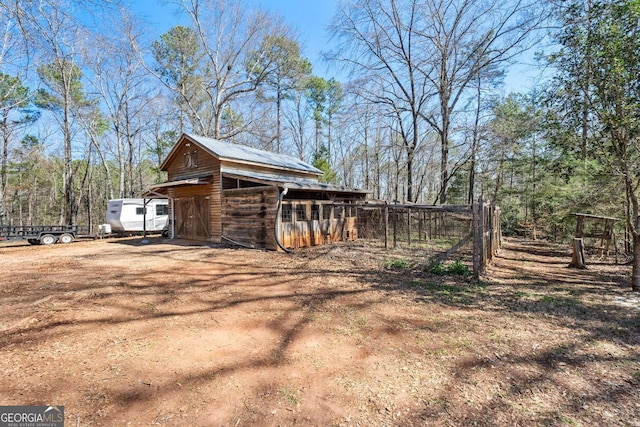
[[167, 333]]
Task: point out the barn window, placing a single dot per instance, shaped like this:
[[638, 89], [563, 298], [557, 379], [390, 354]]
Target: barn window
[[326, 212], [287, 213], [338, 212], [350, 211], [315, 212], [191, 159], [162, 210], [301, 212]]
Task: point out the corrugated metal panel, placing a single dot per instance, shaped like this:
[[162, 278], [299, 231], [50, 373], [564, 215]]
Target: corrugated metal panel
[[287, 181], [268, 176], [244, 154]]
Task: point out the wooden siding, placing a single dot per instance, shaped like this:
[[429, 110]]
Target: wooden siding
[[329, 226], [216, 203], [179, 168], [192, 212], [249, 215], [207, 165]]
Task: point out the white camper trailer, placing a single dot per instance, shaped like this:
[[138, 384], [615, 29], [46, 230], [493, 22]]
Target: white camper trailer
[[126, 215]]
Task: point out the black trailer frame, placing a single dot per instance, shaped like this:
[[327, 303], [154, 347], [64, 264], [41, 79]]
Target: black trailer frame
[[44, 234]]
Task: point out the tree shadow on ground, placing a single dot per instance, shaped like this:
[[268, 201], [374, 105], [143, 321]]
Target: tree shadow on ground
[[542, 292], [346, 283]]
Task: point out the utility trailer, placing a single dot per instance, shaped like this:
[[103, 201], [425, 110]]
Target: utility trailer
[[44, 234]]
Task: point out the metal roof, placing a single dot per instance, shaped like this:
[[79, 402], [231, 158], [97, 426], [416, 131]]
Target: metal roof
[[244, 154], [161, 190], [292, 183]]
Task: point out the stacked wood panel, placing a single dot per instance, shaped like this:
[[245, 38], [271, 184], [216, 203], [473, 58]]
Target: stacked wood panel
[[248, 216], [331, 225]]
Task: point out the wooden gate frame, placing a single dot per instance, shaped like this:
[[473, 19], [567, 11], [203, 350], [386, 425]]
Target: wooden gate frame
[[487, 235]]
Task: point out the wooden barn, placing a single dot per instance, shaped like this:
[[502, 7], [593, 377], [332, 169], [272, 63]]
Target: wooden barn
[[227, 192]]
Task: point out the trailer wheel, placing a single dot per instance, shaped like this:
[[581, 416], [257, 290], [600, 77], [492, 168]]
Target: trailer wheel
[[33, 241], [66, 238], [48, 239]]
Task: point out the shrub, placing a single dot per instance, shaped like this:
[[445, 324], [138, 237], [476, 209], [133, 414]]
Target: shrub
[[396, 264], [457, 267]]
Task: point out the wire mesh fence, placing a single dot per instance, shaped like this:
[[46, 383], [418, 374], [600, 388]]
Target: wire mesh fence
[[471, 232]]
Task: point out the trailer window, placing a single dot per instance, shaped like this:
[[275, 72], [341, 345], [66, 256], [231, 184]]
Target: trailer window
[[139, 211], [162, 210]]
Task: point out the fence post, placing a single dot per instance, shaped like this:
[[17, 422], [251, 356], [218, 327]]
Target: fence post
[[409, 226], [386, 226], [395, 227], [478, 239], [483, 223]]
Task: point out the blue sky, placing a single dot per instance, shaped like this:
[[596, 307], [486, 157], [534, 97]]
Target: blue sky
[[308, 17]]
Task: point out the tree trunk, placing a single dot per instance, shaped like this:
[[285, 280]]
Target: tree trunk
[[278, 118], [577, 259], [3, 170], [410, 155], [69, 193], [444, 169], [474, 146], [635, 273]]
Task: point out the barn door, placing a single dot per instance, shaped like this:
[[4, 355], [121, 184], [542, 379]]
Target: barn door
[[192, 218]]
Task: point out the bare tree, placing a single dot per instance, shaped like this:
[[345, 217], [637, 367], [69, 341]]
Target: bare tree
[[230, 32], [53, 31], [464, 40], [296, 116], [426, 55], [376, 41], [123, 86]]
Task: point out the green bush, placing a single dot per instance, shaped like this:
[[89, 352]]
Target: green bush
[[396, 264], [457, 267], [438, 268]]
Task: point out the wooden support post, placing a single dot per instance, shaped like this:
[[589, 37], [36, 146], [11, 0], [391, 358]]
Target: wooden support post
[[482, 231], [386, 227], [477, 239], [395, 228], [577, 259], [444, 225], [409, 226], [579, 226]]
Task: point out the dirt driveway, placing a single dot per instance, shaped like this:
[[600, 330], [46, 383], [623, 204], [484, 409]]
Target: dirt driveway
[[168, 333]]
